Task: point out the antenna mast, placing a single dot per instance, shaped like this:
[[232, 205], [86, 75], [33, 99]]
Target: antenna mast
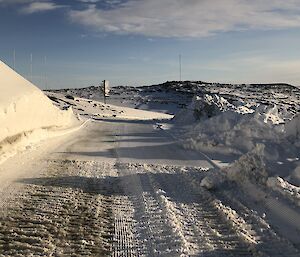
[[45, 64], [31, 59], [14, 57]]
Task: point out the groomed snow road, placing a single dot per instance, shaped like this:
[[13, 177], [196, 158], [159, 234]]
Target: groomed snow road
[[125, 188]]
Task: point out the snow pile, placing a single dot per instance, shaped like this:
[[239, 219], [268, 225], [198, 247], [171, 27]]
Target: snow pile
[[24, 109], [294, 177], [216, 125], [203, 107], [272, 115], [285, 188], [207, 106], [256, 167], [210, 105], [262, 138], [230, 132], [292, 128], [251, 166], [213, 180], [266, 167]]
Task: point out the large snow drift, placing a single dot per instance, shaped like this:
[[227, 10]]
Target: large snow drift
[[24, 108]]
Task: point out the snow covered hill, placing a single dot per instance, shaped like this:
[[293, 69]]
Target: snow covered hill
[[173, 96]]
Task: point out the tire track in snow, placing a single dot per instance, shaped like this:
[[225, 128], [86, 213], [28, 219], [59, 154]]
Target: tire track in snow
[[253, 229], [269, 243], [50, 221], [84, 208], [173, 220], [155, 235], [205, 231], [124, 243], [61, 214]]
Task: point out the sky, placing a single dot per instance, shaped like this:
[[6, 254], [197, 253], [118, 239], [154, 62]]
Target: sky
[[79, 43]]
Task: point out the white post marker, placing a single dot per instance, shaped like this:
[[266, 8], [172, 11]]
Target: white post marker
[[105, 89]]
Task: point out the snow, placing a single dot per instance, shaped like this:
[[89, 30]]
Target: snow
[[98, 110], [272, 116], [203, 108], [284, 187], [292, 127], [213, 180], [263, 145], [294, 176], [24, 110], [144, 98], [250, 166], [229, 132], [213, 125], [127, 169], [255, 145]]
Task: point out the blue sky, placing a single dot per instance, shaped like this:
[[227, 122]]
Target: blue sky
[[78, 43]]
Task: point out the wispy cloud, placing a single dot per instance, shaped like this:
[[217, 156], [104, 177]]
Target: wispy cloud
[[89, 1], [106, 2], [40, 7], [193, 18], [7, 2], [252, 69]]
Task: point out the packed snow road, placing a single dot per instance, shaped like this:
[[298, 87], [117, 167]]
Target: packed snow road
[[126, 188]]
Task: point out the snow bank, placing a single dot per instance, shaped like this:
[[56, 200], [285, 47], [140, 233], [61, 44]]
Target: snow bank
[[292, 128], [294, 177], [230, 132], [203, 107], [251, 166], [213, 180], [262, 139], [216, 125], [24, 108], [209, 105], [285, 188]]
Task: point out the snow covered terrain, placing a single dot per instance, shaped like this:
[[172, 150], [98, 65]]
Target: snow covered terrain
[[98, 110], [125, 189], [249, 133], [221, 178], [253, 142], [144, 98]]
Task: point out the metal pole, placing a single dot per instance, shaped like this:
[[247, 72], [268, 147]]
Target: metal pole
[[14, 56], [45, 64], [31, 59]]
